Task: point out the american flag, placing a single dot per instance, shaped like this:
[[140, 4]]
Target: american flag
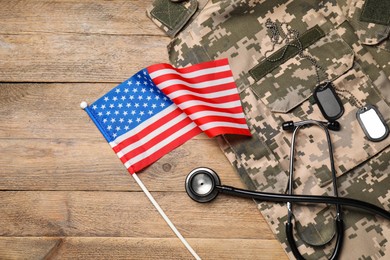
[[161, 107], [206, 92]]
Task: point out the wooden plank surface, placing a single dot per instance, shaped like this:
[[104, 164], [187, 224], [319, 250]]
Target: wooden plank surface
[[64, 194], [77, 58], [79, 213], [134, 248]]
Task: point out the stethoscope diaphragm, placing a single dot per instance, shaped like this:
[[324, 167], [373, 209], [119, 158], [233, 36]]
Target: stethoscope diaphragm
[[201, 184]]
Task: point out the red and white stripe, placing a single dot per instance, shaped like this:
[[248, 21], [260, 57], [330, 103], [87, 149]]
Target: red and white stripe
[[206, 92], [154, 138], [205, 98]]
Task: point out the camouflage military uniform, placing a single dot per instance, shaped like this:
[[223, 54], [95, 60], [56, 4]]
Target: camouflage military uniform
[[350, 39]]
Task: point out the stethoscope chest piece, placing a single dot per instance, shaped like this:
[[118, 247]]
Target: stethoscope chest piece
[[201, 184]]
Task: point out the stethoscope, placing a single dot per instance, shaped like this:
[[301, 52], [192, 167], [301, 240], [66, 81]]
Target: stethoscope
[[203, 185]]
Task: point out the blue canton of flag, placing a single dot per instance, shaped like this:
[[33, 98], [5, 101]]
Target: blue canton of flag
[[127, 105]]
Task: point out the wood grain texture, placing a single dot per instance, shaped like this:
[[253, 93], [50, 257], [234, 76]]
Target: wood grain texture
[[136, 248], [73, 41], [77, 58], [63, 193], [126, 214], [78, 17], [70, 164]]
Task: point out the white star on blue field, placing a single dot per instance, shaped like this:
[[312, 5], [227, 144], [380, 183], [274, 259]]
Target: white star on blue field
[[128, 104]]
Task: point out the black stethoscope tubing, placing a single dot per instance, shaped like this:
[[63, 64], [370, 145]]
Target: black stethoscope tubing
[[216, 188], [311, 199], [203, 185]]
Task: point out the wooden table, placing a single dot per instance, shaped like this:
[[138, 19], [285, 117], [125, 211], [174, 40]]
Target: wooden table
[[64, 193]]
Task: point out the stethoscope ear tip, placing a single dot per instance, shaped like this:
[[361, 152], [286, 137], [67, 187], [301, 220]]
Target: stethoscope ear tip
[[201, 184]]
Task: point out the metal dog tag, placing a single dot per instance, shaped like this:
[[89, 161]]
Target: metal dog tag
[[372, 123], [328, 101]]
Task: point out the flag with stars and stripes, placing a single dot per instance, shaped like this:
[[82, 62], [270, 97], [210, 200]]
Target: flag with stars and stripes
[[161, 107]]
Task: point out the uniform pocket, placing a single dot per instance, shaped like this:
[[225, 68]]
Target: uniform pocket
[[284, 90], [286, 86]]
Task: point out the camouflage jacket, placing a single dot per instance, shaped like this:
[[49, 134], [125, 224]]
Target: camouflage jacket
[[350, 40]]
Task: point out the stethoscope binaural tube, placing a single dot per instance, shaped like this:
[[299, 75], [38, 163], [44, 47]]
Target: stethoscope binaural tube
[[339, 222]]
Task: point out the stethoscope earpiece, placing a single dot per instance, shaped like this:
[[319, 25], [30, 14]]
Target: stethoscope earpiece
[[201, 184], [334, 126]]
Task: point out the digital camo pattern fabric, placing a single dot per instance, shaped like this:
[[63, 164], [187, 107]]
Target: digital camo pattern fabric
[[356, 57]]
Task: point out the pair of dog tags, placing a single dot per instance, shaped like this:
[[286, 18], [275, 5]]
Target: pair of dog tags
[[370, 119]]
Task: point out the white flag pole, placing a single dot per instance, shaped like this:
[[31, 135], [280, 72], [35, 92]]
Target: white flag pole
[[165, 217], [84, 106]]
